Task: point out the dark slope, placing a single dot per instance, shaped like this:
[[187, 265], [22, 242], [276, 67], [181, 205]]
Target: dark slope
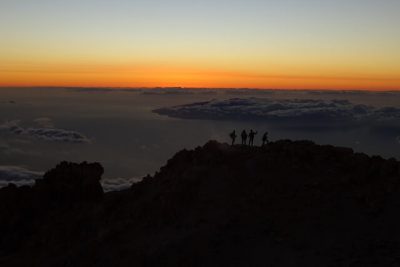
[[288, 204]]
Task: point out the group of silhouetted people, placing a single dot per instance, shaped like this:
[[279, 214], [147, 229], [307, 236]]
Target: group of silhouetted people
[[250, 136]]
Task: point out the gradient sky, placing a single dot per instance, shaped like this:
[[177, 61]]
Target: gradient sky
[[315, 44]]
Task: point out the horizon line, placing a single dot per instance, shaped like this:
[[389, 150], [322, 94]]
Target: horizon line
[[194, 88]]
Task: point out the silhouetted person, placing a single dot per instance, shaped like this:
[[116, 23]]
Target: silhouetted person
[[265, 139], [233, 136], [251, 137], [244, 137]]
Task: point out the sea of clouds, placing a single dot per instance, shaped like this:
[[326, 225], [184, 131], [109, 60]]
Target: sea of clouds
[[18, 175], [44, 131], [283, 110], [21, 176]]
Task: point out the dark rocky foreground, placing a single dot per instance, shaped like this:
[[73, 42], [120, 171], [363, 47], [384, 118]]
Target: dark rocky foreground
[[288, 204]]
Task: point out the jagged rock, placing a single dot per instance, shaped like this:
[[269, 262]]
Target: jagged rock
[[70, 182], [286, 204]]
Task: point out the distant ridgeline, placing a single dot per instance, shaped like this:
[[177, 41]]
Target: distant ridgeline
[[285, 204]]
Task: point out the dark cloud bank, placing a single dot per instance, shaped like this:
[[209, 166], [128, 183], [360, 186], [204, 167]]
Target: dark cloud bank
[[118, 184], [21, 176], [18, 175], [294, 111], [44, 133], [45, 130]]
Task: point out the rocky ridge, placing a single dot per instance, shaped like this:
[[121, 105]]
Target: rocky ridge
[[286, 204]]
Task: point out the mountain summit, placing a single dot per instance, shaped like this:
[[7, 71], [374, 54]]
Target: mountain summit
[[286, 204]]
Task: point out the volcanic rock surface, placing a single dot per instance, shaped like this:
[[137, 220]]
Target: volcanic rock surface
[[285, 204]]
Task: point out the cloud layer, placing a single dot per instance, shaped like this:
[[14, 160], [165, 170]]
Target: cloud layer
[[21, 176], [18, 175], [278, 111], [118, 184], [44, 133], [44, 122]]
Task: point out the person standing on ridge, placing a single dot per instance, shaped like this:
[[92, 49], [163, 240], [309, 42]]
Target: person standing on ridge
[[233, 136], [265, 139], [244, 137], [251, 137]]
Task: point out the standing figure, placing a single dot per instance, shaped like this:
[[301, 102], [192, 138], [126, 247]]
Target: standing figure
[[244, 137], [251, 137], [233, 137], [265, 139]]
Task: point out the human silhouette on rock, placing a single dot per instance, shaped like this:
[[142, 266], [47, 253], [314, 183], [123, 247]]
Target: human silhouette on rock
[[251, 137], [244, 137], [233, 136], [265, 139]]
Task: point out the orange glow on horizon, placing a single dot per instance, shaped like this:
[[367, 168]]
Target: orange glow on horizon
[[167, 76]]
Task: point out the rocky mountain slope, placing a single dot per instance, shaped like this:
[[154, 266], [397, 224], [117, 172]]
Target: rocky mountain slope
[[286, 204]]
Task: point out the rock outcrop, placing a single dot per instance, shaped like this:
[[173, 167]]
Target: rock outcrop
[[71, 182], [286, 204]]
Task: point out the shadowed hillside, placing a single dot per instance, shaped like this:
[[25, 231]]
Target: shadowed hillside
[[287, 204]]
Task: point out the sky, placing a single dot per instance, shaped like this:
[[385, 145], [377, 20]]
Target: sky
[[286, 44]]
